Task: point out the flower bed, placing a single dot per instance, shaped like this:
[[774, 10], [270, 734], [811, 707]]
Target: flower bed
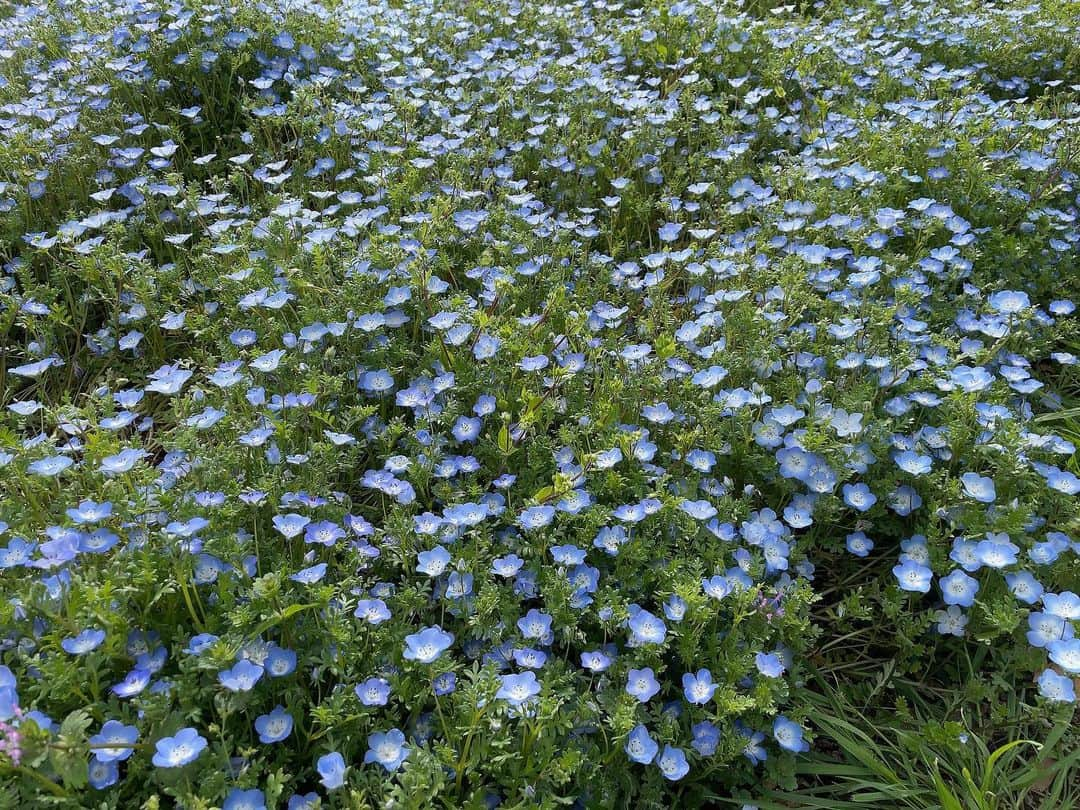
[[468, 404]]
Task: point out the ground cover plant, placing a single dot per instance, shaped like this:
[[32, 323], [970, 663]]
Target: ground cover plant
[[598, 404]]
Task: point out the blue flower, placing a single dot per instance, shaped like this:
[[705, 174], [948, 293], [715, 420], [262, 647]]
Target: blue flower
[[535, 625], [373, 611], [331, 769], [1009, 302], [958, 589], [427, 645], [275, 726], [242, 677], [1065, 652], [84, 642], [595, 661], [387, 748], [911, 462], [978, 487], [769, 664], [912, 576], [179, 750], [642, 684], [952, 621], [996, 551], [699, 689], [444, 684], [706, 738], [115, 742], [49, 467], [134, 683], [1055, 687], [640, 747], [672, 763], [859, 544], [859, 497], [789, 735], [519, 689], [238, 799], [1024, 586], [1065, 604], [753, 749], [647, 628], [536, 517], [373, 692], [433, 562], [102, 774]]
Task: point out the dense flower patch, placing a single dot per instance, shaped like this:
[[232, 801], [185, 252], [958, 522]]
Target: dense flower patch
[[466, 403]]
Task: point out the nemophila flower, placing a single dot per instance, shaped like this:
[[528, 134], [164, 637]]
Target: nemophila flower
[[642, 684], [672, 763], [433, 562], [241, 677], [536, 517], [789, 735], [978, 487], [1055, 687], [640, 747], [134, 682], [290, 525], [507, 566], [717, 586], [84, 642], [964, 552], [913, 576], [1046, 627], [279, 662], [675, 608], [1024, 586], [595, 661], [706, 738], [699, 689], [238, 799], [323, 533], [115, 742], [373, 611], [752, 749], [769, 664], [373, 692], [309, 576], [958, 588], [1065, 652], [444, 684], [275, 726], [699, 510], [859, 544], [331, 769], [996, 551], [859, 497], [459, 585], [1009, 302], [168, 380], [518, 689], [179, 750], [49, 467], [528, 658], [1065, 604], [913, 463], [645, 628], [387, 748], [535, 625], [951, 621], [102, 774], [427, 645]]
